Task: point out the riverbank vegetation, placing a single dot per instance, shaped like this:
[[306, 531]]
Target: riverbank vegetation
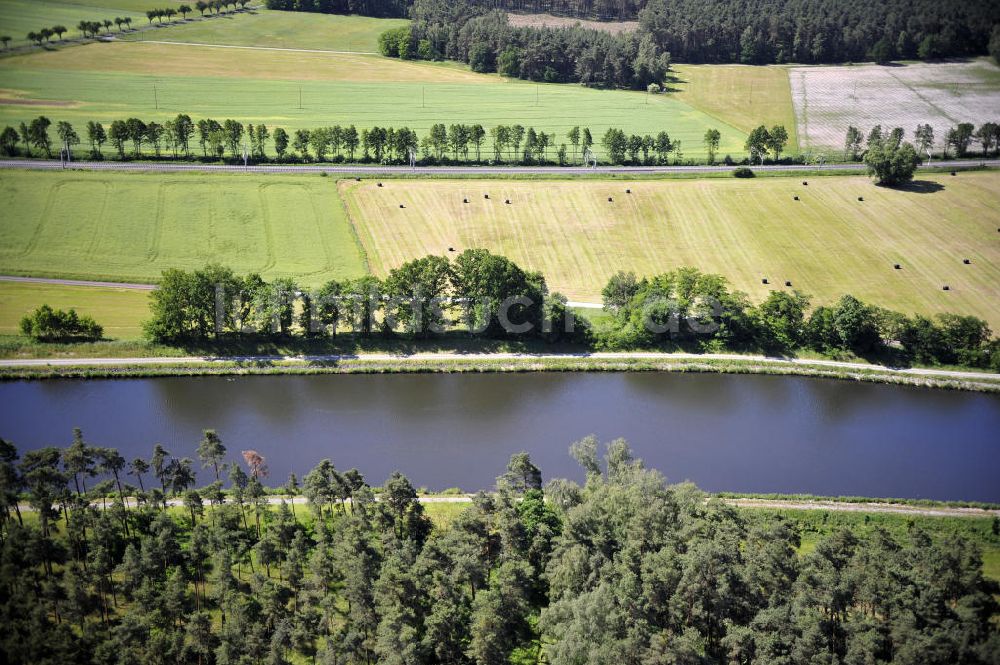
[[489, 297], [471, 362], [528, 573]]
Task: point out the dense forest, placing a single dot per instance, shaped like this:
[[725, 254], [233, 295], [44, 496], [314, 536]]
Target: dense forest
[[623, 569], [693, 31]]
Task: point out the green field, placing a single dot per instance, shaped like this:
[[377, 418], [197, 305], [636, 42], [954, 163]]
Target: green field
[[131, 227], [277, 29], [827, 244], [19, 17], [113, 81], [120, 311]]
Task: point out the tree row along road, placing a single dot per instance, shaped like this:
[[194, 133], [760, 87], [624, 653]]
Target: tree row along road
[[473, 357], [171, 167], [749, 502]]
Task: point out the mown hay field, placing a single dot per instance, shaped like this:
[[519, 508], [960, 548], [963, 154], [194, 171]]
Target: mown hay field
[[131, 227], [743, 96], [827, 244]]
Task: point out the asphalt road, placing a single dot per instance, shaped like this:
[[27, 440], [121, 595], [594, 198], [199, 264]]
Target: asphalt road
[[174, 167]]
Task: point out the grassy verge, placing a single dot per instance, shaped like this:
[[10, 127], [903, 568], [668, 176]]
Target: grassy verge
[[921, 503], [483, 365]]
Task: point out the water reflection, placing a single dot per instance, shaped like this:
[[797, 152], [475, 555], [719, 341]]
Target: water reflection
[[725, 432]]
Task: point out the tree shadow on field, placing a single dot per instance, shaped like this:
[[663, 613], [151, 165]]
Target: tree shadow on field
[[921, 187]]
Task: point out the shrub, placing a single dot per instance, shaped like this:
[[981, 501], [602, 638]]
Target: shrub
[[891, 164], [390, 42], [46, 323], [743, 172]]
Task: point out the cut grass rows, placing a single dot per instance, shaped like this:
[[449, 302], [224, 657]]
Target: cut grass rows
[[828, 243]]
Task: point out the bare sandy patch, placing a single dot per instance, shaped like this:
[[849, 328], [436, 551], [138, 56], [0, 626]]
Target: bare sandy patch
[[549, 21], [829, 99]]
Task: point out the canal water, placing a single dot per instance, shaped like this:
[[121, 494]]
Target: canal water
[[724, 432]]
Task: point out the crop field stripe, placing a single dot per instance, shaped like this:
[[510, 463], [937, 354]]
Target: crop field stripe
[[96, 82], [278, 225]]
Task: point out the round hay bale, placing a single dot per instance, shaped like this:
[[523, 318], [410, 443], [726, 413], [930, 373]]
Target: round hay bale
[[380, 184], [788, 282], [486, 196], [796, 198], [507, 201], [953, 173], [805, 183], [764, 281], [897, 267], [967, 261], [946, 288], [861, 198], [610, 200], [401, 205], [628, 191]]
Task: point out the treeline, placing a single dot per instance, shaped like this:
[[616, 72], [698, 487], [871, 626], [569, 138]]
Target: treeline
[[688, 307], [378, 8], [624, 568], [93, 28], [182, 137], [457, 31], [489, 295], [960, 139], [712, 31], [817, 31]]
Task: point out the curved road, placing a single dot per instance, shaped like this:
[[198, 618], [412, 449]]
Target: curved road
[[424, 357], [173, 167]]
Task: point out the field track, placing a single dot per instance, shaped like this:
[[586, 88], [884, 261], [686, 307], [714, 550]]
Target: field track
[[424, 357]]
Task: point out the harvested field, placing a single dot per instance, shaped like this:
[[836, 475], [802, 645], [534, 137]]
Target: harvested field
[[829, 99], [827, 244], [549, 21]]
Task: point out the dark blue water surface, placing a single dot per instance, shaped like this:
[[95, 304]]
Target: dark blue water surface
[[724, 432]]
